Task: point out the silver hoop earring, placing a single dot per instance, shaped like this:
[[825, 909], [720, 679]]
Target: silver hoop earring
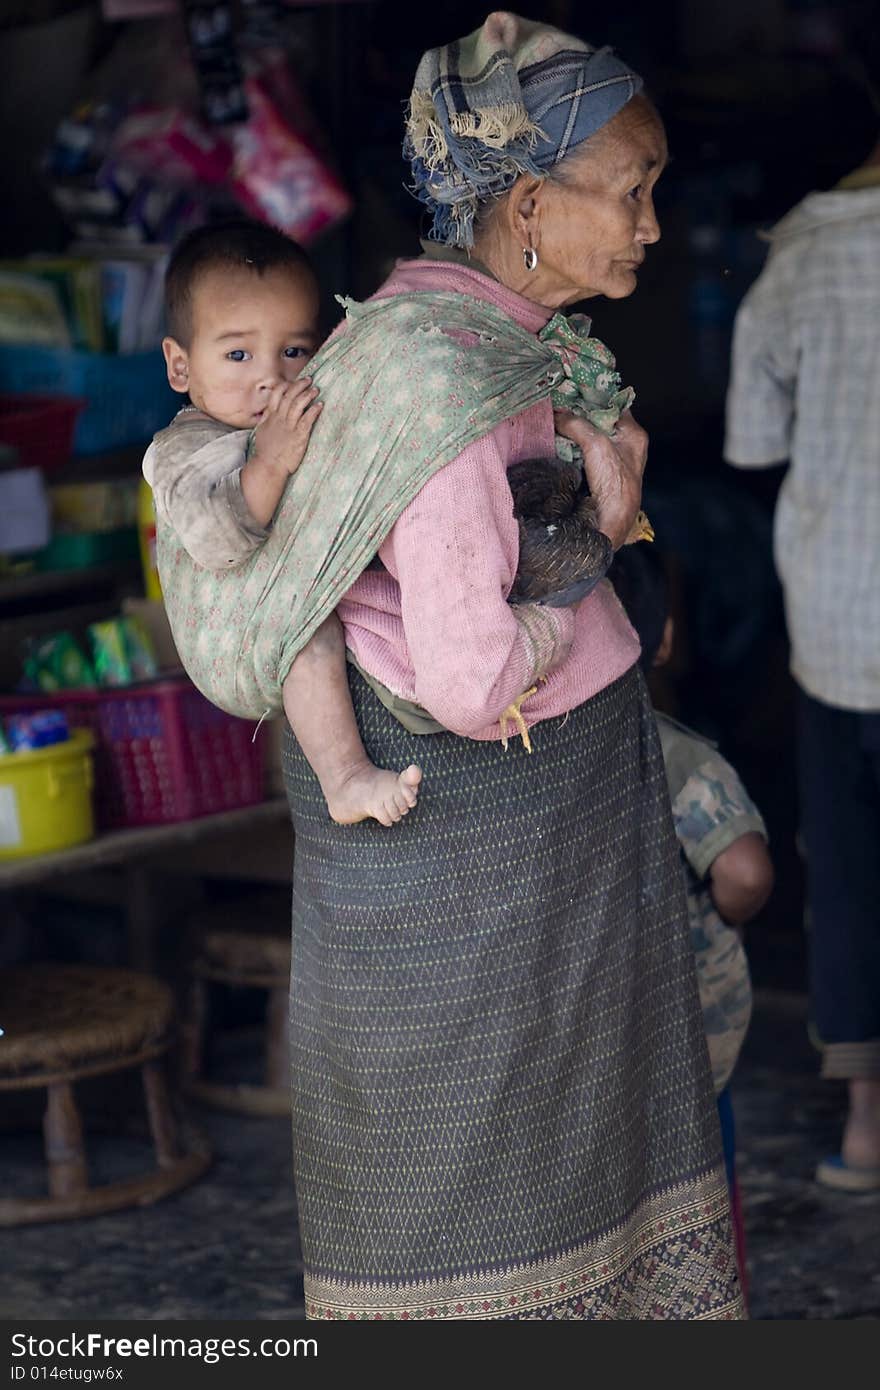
[[530, 258]]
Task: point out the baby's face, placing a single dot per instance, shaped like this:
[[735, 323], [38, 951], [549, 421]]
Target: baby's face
[[249, 332]]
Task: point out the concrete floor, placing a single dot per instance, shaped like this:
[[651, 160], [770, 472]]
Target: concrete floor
[[813, 1253], [228, 1246]]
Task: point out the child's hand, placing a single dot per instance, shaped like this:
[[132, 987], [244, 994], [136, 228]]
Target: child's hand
[[282, 436]]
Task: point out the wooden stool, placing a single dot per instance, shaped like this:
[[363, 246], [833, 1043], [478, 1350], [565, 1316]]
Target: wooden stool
[[66, 1022], [232, 955]]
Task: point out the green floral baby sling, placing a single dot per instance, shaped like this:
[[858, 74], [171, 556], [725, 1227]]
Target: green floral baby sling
[[412, 382]]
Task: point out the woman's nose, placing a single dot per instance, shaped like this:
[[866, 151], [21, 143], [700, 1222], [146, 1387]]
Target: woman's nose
[[649, 228]]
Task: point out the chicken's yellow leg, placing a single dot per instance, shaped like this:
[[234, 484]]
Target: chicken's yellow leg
[[514, 715]]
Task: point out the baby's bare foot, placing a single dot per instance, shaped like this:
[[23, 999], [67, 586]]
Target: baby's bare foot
[[369, 792]]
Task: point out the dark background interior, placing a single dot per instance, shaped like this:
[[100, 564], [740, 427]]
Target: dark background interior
[[763, 103]]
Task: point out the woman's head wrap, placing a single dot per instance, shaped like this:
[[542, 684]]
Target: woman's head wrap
[[512, 98]]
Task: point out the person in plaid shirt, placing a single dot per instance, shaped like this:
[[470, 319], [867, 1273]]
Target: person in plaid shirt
[[805, 391]]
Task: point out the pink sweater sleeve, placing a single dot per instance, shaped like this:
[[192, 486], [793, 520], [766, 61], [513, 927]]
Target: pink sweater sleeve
[[454, 552]]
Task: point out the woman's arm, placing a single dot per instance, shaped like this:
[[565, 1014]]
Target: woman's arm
[[454, 553]]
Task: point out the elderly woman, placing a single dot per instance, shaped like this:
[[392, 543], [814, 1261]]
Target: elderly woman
[[501, 1102]]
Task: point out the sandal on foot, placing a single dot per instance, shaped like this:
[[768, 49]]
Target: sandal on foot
[[834, 1172]]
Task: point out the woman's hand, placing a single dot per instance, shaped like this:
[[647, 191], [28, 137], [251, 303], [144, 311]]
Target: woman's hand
[[614, 466]]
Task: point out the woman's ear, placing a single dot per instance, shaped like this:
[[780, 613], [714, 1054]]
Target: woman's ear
[[176, 365], [526, 197]]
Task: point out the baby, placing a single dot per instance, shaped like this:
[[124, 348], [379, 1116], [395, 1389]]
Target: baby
[[242, 317]]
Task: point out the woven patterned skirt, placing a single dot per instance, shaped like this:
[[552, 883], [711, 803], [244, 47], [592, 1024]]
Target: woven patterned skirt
[[502, 1102]]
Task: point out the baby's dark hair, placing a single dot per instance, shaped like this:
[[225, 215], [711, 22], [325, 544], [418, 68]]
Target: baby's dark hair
[[639, 578], [239, 244]]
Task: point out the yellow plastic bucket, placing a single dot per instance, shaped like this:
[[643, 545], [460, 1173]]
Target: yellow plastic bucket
[[46, 797]]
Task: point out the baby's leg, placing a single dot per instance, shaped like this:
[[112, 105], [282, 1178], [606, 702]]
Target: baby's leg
[[318, 705]]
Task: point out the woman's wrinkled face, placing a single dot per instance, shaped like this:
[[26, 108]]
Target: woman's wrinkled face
[[592, 225]]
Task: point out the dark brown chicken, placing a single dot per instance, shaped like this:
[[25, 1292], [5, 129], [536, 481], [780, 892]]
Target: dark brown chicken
[[562, 553]]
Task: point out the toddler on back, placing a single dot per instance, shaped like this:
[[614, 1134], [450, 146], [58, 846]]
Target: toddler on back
[[242, 318]]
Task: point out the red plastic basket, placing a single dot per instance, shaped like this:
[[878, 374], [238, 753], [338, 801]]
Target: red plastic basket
[[40, 428], [162, 751]]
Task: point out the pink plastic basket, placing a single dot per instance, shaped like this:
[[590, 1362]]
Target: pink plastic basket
[[162, 752], [40, 428]]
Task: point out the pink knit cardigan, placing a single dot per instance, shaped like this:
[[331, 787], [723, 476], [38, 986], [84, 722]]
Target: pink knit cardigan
[[436, 628]]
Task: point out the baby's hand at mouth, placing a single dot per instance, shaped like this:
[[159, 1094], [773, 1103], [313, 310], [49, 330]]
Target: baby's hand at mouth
[[285, 424]]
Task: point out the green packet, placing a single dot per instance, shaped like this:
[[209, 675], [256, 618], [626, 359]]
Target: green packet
[[140, 649], [122, 652], [112, 666], [56, 662]]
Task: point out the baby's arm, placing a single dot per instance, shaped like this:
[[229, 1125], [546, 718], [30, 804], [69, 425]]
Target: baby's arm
[[219, 488], [194, 469], [278, 445], [741, 879]]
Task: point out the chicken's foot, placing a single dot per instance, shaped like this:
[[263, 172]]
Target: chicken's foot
[[514, 714]]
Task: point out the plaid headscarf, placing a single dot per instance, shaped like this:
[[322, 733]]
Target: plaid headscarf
[[512, 98]]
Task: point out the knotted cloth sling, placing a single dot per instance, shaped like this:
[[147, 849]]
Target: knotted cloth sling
[[411, 382]]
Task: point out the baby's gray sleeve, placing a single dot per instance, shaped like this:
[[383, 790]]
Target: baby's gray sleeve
[[198, 492]]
